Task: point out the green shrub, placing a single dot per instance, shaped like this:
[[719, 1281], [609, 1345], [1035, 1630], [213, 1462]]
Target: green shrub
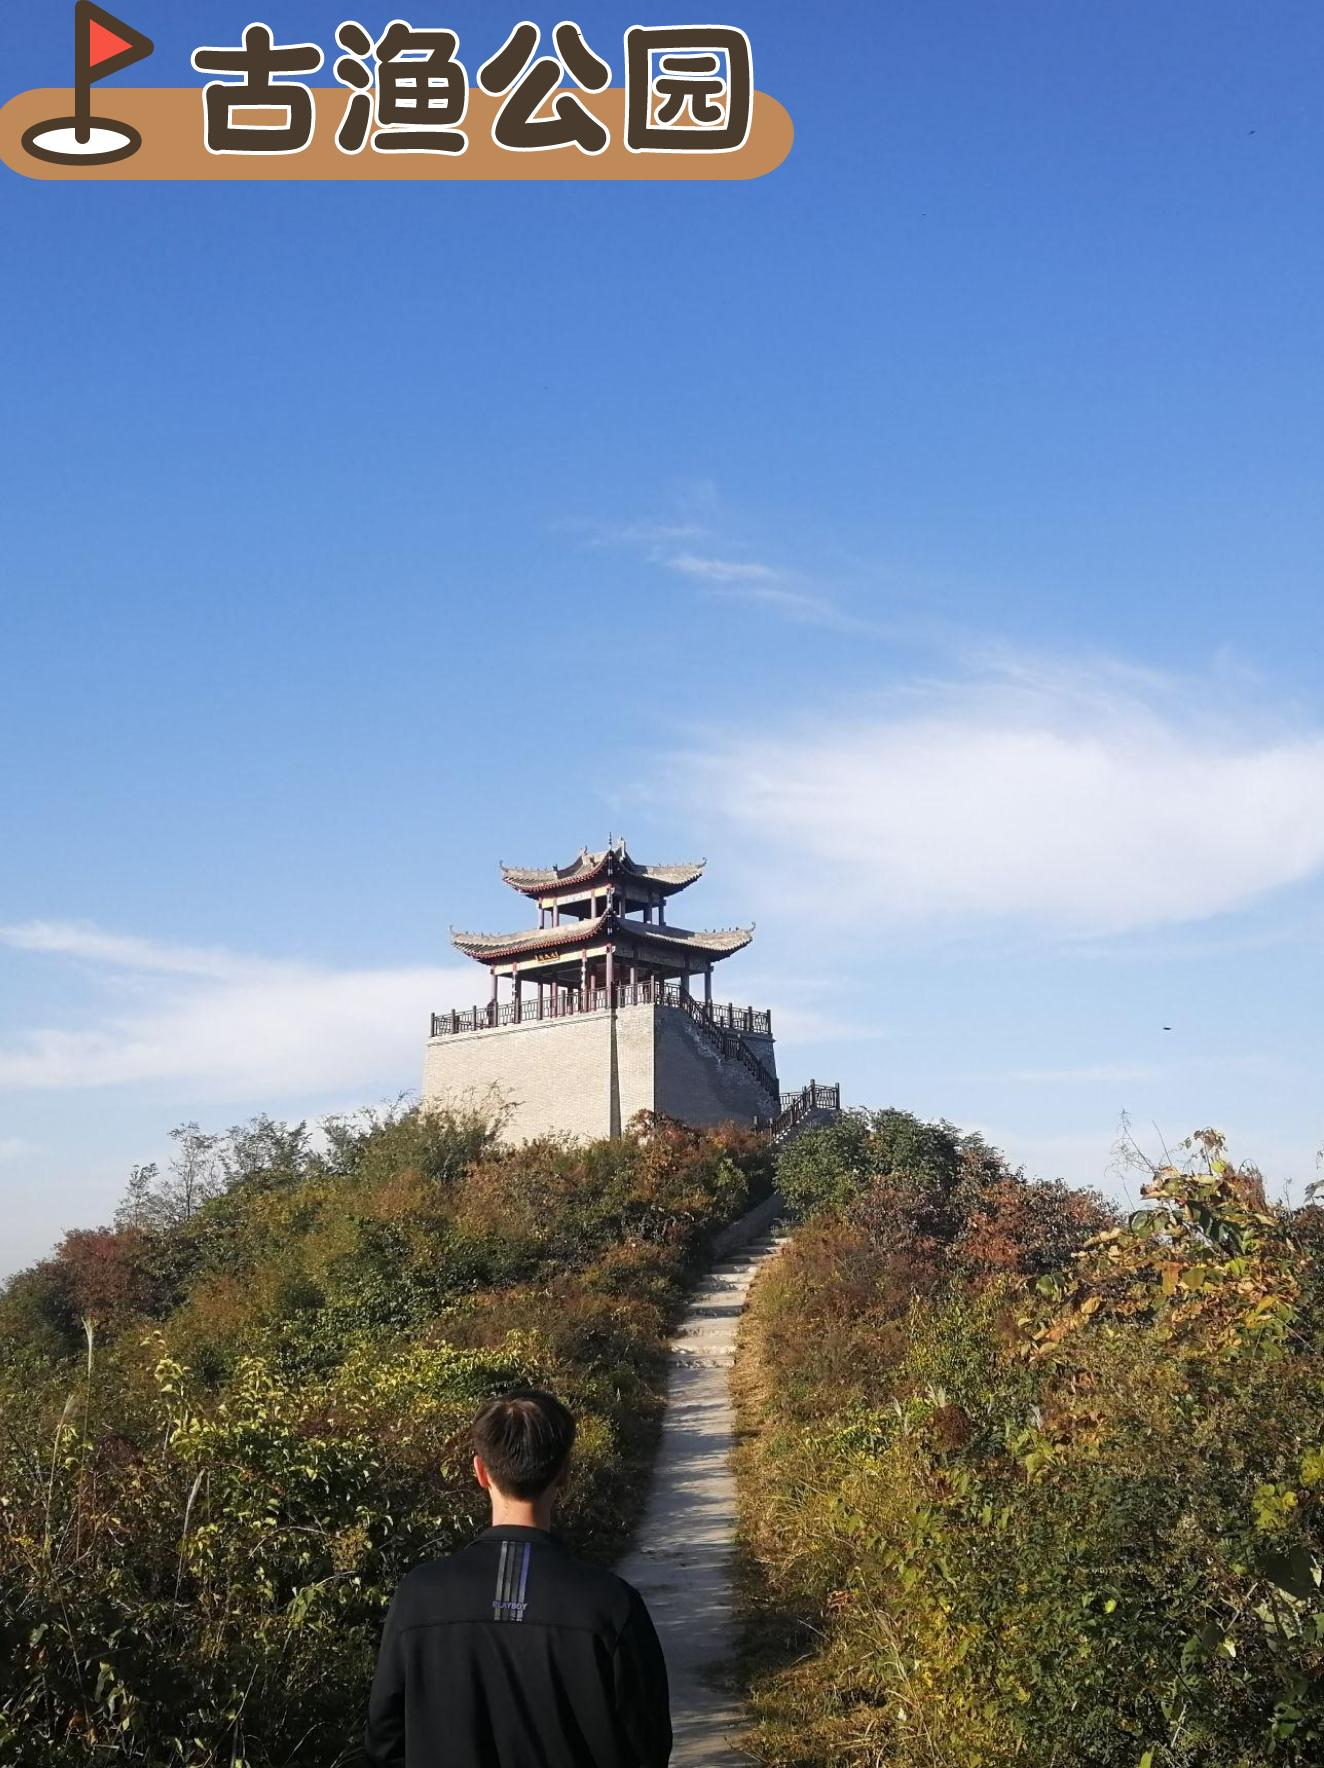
[[203, 1516], [1060, 1519], [885, 1152]]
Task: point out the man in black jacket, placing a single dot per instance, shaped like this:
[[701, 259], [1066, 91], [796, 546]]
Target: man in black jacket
[[512, 1653]]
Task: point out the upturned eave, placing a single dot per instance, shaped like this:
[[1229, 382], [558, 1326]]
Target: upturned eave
[[595, 868], [641, 936]]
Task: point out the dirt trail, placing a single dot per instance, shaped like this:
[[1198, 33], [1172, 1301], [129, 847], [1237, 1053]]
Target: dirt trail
[[681, 1560]]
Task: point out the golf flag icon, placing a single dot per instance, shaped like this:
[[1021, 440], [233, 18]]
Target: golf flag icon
[[103, 44]]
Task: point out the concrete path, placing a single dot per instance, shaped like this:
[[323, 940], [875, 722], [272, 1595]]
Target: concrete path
[[681, 1560]]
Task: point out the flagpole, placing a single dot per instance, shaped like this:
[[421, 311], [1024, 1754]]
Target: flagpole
[[82, 77], [103, 45]]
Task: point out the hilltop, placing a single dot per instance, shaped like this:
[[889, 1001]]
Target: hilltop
[[232, 1419]]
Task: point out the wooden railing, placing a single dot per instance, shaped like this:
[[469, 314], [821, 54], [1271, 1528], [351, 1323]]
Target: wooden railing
[[730, 1045], [818, 1099], [720, 1016]]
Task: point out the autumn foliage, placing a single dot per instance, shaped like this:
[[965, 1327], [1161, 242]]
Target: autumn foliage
[[231, 1421], [1024, 1483]]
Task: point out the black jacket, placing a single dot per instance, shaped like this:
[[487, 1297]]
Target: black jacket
[[514, 1654]]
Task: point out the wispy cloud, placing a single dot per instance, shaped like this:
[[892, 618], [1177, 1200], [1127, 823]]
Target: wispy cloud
[[803, 610], [638, 534], [16, 1148], [79, 939], [230, 1023], [1101, 1071], [1082, 800], [723, 570], [772, 589]]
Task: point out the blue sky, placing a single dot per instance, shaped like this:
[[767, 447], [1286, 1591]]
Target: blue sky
[[928, 533]]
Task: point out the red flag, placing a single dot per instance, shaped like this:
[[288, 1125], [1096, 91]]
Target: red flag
[[103, 44]]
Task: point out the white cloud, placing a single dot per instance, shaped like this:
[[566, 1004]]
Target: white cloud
[[645, 534], [79, 939], [801, 609], [231, 1024], [16, 1148], [771, 587], [1085, 801], [766, 586], [723, 570], [1101, 1071]]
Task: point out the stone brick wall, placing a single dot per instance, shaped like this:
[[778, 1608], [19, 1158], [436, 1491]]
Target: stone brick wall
[[586, 1076], [694, 1083]]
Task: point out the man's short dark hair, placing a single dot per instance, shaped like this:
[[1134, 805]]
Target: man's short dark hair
[[524, 1438]]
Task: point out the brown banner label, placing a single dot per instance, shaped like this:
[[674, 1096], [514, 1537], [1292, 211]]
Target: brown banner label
[[170, 123]]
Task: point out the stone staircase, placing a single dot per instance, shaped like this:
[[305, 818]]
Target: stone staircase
[[684, 1554]]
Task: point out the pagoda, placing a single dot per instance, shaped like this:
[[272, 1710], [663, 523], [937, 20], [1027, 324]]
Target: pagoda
[[602, 920], [607, 1009]]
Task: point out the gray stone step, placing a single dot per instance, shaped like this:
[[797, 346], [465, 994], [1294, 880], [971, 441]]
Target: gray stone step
[[681, 1559]]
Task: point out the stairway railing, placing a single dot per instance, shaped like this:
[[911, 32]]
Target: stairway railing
[[819, 1098], [730, 1045]]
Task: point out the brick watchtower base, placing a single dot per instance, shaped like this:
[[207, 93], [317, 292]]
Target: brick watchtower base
[[586, 1073]]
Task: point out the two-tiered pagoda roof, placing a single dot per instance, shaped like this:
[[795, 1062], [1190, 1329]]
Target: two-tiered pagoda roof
[[586, 919]]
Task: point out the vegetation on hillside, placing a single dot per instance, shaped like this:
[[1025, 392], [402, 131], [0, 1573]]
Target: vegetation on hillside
[[230, 1422], [1026, 1483]]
